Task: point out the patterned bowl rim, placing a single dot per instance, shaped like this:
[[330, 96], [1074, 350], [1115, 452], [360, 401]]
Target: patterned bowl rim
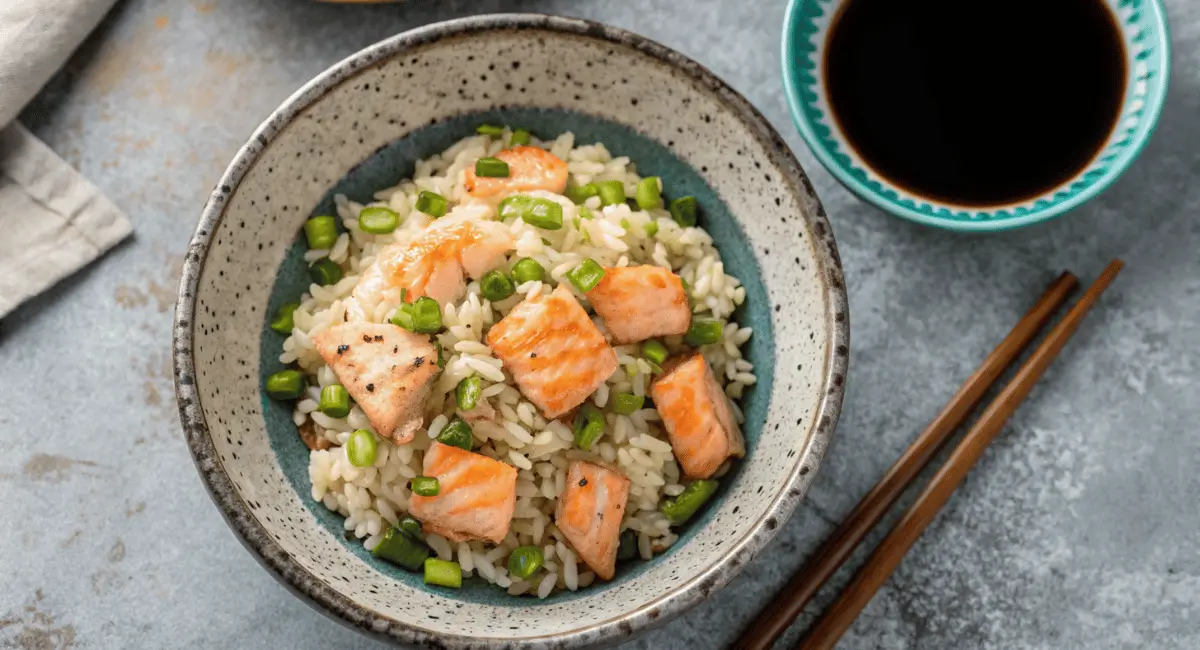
[[799, 107], [311, 589]]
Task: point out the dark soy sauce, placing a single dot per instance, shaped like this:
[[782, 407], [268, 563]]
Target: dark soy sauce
[[972, 102]]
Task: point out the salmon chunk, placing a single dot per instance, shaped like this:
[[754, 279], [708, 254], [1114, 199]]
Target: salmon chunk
[[589, 513], [529, 168], [553, 350], [386, 369], [433, 262], [641, 302], [476, 495], [697, 416]]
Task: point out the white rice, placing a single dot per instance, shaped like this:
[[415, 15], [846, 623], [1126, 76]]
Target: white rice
[[373, 498]]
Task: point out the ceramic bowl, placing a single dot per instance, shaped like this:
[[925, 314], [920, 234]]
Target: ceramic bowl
[[1147, 46], [360, 126]]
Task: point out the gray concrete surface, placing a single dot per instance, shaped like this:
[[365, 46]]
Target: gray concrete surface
[[1079, 529]]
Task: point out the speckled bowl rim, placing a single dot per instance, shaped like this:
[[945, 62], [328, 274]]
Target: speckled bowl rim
[[683, 596]]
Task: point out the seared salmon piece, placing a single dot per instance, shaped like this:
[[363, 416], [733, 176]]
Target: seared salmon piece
[[434, 261], [641, 302], [589, 513], [476, 495], [553, 350], [386, 369], [529, 168], [697, 416]]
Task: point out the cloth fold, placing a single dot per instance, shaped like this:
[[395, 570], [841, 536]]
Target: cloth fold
[[53, 221]]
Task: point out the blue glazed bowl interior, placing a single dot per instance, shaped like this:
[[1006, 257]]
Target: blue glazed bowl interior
[[394, 162]]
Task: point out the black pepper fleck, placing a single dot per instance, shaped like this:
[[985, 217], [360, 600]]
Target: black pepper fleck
[[418, 361], [342, 349], [370, 388], [366, 338], [378, 337], [583, 482]]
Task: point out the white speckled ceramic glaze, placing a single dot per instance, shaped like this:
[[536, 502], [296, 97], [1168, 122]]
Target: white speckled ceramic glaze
[[436, 74]]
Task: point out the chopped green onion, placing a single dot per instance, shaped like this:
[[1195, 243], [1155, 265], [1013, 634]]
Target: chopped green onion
[[684, 506], [586, 276], [611, 192], [491, 168], [325, 272], [360, 448], [285, 384], [489, 129], [537, 212], [427, 315], [527, 270], [335, 401], [441, 358], [495, 286], [683, 211], [544, 214], [580, 193], [519, 138], [321, 232], [513, 207], [687, 291], [410, 527], [628, 545], [648, 193], [625, 223], [626, 403], [651, 228], [398, 547], [466, 395], [424, 316], [654, 351], [457, 434], [704, 332], [431, 203], [378, 220], [284, 322], [589, 426], [426, 486], [586, 213], [525, 561], [442, 573], [403, 317]]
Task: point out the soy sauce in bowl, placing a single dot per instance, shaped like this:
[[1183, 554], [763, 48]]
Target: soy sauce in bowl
[[976, 103]]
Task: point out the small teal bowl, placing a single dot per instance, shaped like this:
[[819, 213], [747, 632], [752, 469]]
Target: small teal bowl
[[1148, 48]]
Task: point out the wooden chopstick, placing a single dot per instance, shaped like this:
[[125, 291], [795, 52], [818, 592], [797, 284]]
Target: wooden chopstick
[[774, 620], [916, 519]]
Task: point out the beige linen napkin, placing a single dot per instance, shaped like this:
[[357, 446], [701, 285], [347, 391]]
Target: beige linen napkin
[[52, 220]]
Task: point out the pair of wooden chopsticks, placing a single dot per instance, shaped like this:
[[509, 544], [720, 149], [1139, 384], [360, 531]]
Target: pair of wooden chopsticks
[[774, 620]]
